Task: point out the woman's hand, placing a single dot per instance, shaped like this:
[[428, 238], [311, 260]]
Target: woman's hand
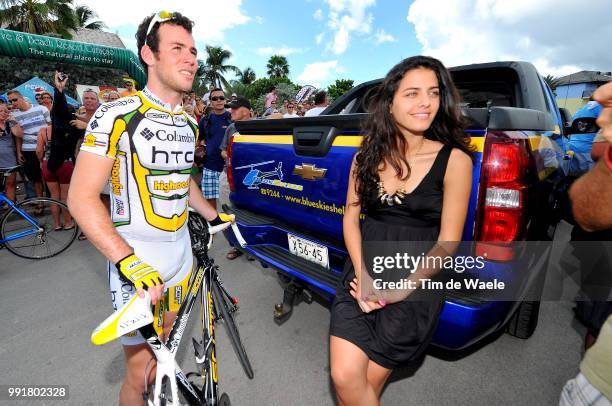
[[366, 305], [81, 125]]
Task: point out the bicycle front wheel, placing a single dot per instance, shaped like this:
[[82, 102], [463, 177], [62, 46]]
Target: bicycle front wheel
[[231, 328], [40, 240]]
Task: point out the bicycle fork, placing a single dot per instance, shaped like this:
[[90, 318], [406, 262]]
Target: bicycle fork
[[205, 349]]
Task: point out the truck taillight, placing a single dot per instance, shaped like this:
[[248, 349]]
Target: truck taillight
[[503, 212], [230, 172]]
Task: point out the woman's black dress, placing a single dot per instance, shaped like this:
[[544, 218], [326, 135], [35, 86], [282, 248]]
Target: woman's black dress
[[399, 332]]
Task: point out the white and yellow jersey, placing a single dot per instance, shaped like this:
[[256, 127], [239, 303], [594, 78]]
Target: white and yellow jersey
[[153, 148]]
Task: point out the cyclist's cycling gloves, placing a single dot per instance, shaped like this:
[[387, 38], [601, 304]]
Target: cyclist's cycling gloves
[[221, 222], [140, 274]]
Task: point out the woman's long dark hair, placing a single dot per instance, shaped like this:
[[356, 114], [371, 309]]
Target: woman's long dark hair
[[383, 142]]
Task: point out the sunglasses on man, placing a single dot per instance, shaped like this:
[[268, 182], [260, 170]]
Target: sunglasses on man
[[160, 17], [217, 98]]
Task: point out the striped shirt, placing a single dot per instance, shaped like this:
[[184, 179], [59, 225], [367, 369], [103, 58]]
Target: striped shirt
[[32, 121]]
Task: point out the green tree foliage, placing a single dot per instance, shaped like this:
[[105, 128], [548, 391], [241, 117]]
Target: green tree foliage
[[339, 88], [39, 17], [263, 86], [552, 81], [217, 67], [278, 67], [247, 76], [85, 15]]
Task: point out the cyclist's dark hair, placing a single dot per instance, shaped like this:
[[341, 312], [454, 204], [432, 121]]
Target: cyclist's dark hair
[[383, 141], [153, 38], [320, 97]]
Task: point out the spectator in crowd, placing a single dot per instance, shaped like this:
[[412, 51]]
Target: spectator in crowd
[[46, 100], [270, 99], [113, 95], [189, 110], [55, 148], [192, 98], [591, 196], [212, 130], [200, 108], [90, 105], [270, 110], [307, 106], [32, 120], [290, 111], [320, 104], [8, 160], [206, 97], [241, 110], [37, 97], [130, 87], [234, 97]]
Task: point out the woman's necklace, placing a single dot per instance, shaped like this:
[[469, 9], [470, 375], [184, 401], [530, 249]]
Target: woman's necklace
[[400, 194]]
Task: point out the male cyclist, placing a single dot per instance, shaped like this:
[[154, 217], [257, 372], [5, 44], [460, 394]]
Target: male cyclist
[[145, 144]]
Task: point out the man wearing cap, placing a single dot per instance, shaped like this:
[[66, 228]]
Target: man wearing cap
[[240, 108]]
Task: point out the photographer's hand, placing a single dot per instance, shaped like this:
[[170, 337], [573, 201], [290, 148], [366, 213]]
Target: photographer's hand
[[60, 84]]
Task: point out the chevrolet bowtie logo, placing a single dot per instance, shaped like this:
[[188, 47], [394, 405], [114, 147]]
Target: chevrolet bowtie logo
[[309, 172]]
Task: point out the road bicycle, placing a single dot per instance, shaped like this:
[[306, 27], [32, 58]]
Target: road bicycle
[[27, 229], [217, 305]]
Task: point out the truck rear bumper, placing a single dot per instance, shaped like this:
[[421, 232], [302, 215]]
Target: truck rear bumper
[[462, 323]]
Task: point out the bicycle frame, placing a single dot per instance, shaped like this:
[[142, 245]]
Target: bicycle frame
[[206, 359], [35, 227]]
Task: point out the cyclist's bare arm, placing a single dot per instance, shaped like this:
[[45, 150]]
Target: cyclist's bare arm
[[88, 179], [199, 204]]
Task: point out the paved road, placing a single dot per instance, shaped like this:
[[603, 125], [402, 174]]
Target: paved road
[[50, 307]]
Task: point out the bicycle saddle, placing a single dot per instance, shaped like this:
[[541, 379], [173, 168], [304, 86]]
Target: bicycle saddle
[[134, 314]]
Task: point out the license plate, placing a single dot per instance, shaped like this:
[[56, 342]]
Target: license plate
[[309, 250]]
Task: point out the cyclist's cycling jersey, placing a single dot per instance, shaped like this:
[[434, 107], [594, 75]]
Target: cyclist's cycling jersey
[[153, 148]]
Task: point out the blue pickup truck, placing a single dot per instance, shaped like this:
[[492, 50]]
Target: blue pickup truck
[[288, 182]]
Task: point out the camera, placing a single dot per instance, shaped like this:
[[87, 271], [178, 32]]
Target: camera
[[62, 76]]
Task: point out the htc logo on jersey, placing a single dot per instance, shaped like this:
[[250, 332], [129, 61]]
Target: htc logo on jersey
[[167, 157]]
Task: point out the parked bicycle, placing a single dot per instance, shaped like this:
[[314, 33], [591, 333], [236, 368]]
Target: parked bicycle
[[217, 305], [28, 228]]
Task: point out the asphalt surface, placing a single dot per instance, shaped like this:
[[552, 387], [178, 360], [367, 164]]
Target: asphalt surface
[[50, 307]]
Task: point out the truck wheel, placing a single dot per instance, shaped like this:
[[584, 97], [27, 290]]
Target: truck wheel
[[525, 320]]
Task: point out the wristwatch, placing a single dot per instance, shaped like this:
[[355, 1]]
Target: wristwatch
[[608, 156]]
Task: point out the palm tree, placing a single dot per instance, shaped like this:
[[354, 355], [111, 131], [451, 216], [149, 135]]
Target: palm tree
[[84, 16], [50, 16], [247, 76], [552, 81], [278, 67], [216, 65]]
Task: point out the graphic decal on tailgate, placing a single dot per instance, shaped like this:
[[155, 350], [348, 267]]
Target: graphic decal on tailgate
[[256, 177]]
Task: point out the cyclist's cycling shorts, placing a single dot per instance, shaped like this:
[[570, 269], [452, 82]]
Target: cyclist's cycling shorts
[[174, 261]]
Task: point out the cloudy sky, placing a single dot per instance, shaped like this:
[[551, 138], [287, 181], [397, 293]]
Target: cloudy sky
[[325, 40]]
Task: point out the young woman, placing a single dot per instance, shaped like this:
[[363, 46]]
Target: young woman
[[413, 175], [8, 160]]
